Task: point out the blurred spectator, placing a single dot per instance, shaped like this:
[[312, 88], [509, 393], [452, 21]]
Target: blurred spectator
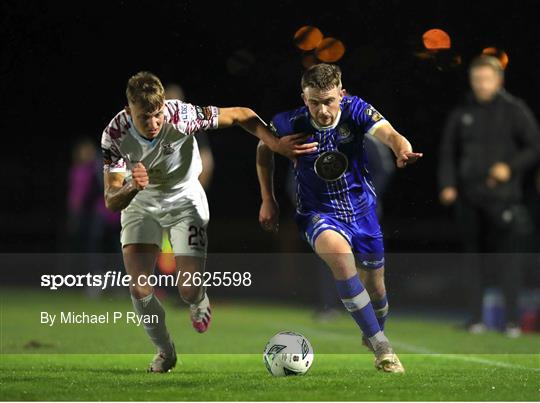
[[174, 91], [91, 227], [488, 144]]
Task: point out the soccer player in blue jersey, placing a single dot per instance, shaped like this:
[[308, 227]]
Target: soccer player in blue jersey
[[336, 199]]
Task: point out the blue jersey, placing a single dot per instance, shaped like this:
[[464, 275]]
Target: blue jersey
[[352, 195]]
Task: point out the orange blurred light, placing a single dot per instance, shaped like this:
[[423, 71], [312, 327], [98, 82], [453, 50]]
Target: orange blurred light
[[436, 39], [499, 54], [166, 263], [308, 37], [330, 50]]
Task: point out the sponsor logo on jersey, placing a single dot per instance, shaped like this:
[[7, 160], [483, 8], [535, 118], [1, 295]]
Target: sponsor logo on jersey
[[315, 218], [331, 165], [184, 111], [373, 114]]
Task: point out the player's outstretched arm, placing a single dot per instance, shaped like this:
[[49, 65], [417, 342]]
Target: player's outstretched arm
[[288, 146], [398, 144], [269, 212], [118, 194]]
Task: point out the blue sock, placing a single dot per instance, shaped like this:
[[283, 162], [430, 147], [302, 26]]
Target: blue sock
[[356, 300], [381, 310]]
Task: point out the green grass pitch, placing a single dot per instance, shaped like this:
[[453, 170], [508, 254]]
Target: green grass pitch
[[108, 362]]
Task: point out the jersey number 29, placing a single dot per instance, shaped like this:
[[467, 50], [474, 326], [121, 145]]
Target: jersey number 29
[[197, 236]]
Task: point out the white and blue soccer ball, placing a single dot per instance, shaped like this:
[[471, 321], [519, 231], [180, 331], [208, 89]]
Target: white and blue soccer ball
[[288, 353]]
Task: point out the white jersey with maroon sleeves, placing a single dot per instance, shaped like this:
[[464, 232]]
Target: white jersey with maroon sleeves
[[174, 199], [172, 157]]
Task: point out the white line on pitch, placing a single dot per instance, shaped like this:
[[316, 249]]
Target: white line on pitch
[[461, 357], [422, 350]]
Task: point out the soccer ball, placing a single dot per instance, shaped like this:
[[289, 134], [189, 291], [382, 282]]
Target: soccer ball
[[288, 353]]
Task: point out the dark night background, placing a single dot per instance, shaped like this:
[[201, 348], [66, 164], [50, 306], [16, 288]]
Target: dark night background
[[64, 68]]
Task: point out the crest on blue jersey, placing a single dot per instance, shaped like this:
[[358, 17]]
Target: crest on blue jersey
[[344, 134]]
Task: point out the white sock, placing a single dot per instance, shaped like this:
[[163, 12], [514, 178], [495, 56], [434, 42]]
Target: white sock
[[157, 332]]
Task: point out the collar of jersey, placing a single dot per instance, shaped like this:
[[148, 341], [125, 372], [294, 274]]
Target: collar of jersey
[[143, 140], [332, 126]]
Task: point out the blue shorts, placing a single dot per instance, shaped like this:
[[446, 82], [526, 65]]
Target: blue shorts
[[364, 235]]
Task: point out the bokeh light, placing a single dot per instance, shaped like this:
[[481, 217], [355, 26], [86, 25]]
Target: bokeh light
[[166, 262], [330, 50], [308, 37], [436, 39], [499, 54]]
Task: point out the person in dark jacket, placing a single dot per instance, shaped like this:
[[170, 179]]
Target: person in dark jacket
[[489, 142]]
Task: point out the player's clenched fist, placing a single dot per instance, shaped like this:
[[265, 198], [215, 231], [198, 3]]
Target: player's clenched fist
[[139, 176]]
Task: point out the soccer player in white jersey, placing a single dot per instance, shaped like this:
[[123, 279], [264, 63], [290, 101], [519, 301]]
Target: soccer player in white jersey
[[151, 169]]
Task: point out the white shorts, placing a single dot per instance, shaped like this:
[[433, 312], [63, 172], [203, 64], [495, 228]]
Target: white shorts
[[184, 215]]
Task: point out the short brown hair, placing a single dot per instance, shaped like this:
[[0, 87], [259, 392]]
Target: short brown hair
[[487, 61], [322, 76], [146, 90]]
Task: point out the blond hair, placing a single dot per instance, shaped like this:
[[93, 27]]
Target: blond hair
[[145, 90], [322, 76]]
